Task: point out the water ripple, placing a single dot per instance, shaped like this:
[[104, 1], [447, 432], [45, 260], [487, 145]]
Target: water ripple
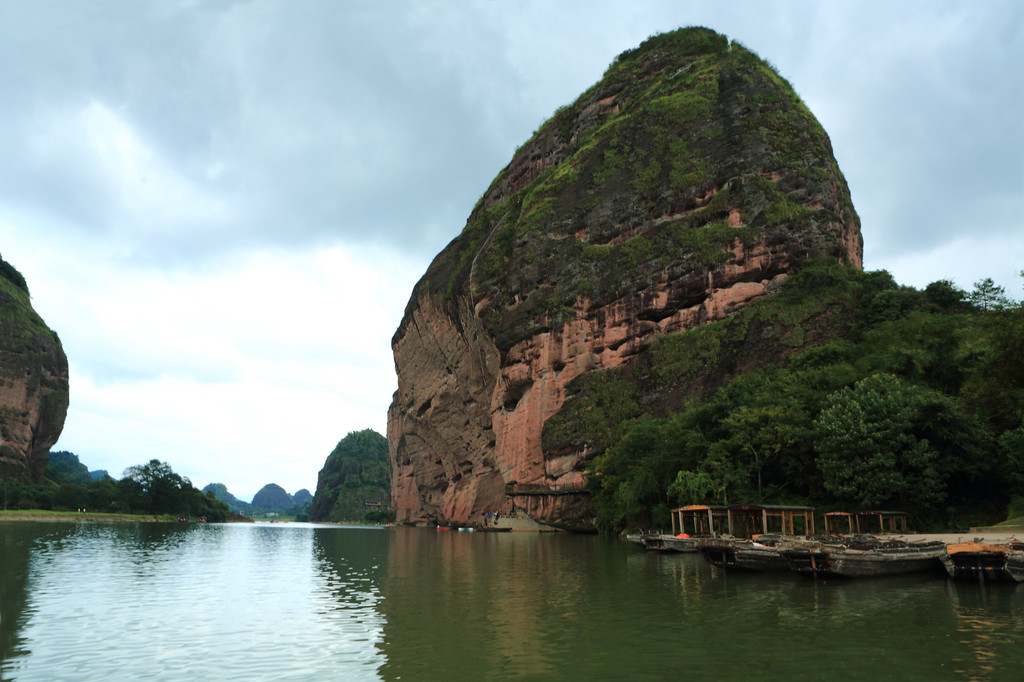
[[160, 602], [289, 602]]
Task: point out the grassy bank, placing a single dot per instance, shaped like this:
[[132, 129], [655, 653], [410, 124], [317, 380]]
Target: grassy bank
[[1017, 522]]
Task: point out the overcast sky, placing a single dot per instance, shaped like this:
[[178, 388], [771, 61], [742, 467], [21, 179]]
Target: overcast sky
[[222, 207]]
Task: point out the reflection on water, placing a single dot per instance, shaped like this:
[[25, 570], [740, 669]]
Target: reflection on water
[[169, 601], [15, 549], [457, 604], [989, 620], [295, 601]]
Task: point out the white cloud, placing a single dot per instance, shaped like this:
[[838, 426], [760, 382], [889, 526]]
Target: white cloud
[[246, 373], [965, 260]]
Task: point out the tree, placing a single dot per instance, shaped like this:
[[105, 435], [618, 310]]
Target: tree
[[868, 451], [988, 295], [71, 496], [997, 388], [630, 479], [944, 295], [761, 432], [697, 487], [154, 487]]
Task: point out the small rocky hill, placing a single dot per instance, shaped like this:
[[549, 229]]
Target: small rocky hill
[[272, 497], [33, 382], [688, 183], [68, 467], [354, 480], [220, 491]]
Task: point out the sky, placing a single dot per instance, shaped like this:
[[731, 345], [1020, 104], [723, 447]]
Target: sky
[[222, 207]]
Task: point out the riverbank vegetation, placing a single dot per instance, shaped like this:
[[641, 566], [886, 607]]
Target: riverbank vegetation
[[152, 489], [77, 516], [915, 403]]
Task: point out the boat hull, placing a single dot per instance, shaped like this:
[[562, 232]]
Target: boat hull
[[821, 561], [675, 544], [980, 562], [741, 555]]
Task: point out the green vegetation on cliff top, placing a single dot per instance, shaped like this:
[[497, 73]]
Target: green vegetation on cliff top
[[19, 323], [638, 177]]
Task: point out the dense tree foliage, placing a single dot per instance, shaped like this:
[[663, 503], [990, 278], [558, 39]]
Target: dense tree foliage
[[151, 488], [880, 442], [915, 401], [69, 468]]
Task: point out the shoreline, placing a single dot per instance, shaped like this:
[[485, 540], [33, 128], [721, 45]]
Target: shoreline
[[88, 517]]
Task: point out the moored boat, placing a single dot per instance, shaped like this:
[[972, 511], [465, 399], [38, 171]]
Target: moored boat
[[635, 538], [759, 555], [985, 562], [656, 542], [1015, 563], [652, 541], [662, 542], [861, 557], [679, 543]]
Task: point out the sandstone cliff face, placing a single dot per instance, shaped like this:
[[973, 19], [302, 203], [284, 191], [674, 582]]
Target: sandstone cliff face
[[33, 382], [688, 182]]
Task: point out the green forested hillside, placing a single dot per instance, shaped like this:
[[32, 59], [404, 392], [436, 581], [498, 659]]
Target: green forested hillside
[[272, 497], [905, 399], [69, 467], [220, 491], [355, 483]]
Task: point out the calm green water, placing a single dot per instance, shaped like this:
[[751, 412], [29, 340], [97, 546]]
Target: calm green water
[[295, 601]]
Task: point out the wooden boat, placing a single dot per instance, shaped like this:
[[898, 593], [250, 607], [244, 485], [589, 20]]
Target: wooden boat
[[655, 542], [676, 543], [647, 540], [660, 542], [985, 562], [635, 538], [760, 554], [861, 557], [1015, 563]]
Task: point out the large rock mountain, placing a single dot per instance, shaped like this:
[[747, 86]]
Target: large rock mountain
[[33, 382], [690, 181]]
